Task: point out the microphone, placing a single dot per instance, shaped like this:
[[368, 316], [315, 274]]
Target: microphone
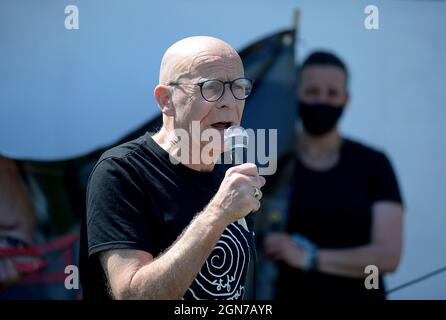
[[236, 143]]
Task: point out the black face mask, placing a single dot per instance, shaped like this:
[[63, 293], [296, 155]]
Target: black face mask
[[319, 118]]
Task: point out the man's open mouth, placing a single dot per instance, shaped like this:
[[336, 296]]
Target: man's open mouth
[[221, 125]]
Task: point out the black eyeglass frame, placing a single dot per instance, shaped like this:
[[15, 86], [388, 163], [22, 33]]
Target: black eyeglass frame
[[201, 84]]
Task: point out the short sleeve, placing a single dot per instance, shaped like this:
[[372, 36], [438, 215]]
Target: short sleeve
[[385, 184], [118, 216]]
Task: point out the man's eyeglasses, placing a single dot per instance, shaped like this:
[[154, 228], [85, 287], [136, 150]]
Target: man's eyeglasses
[[213, 90]]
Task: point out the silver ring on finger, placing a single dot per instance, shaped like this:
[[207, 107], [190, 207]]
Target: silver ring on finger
[[257, 193]]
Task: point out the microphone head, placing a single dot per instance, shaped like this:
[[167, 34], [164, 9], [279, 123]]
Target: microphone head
[[235, 137], [236, 145]]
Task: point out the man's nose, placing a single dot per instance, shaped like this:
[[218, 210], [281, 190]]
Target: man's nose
[[323, 99], [228, 98]]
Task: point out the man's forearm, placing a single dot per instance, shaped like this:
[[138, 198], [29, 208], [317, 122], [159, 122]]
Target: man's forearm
[[351, 262], [171, 274]]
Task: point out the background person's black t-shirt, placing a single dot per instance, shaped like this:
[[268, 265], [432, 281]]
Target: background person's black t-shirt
[[333, 208], [138, 199]]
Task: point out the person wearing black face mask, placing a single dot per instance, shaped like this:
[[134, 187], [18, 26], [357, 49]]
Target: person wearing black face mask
[[345, 210], [319, 118]]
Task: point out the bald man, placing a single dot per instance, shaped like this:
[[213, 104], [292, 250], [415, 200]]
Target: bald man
[[160, 223]]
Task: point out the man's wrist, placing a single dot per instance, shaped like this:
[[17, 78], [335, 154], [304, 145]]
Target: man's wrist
[[311, 260], [215, 214], [311, 257]]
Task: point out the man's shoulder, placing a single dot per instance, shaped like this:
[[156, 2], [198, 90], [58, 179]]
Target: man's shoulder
[[361, 150], [125, 157], [125, 149]]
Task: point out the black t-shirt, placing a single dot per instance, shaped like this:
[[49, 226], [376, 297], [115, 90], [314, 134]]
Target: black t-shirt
[[138, 199], [333, 208]]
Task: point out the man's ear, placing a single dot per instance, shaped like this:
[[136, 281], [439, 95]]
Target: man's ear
[[163, 97]]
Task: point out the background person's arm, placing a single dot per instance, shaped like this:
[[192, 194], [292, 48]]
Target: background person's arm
[[384, 250], [135, 274]]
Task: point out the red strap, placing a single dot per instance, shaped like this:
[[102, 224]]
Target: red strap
[[29, 266], [36, 256], [60, 243]]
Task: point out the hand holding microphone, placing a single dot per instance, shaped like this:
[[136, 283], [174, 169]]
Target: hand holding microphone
[[239, 193]]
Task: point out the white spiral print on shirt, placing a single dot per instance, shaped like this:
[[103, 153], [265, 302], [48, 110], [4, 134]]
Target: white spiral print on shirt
[[221, 275]]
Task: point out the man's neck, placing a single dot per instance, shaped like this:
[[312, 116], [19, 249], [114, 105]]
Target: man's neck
[[169, 142], [319, 145]]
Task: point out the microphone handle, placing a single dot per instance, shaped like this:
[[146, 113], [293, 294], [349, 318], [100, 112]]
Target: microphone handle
[[239, 156]]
